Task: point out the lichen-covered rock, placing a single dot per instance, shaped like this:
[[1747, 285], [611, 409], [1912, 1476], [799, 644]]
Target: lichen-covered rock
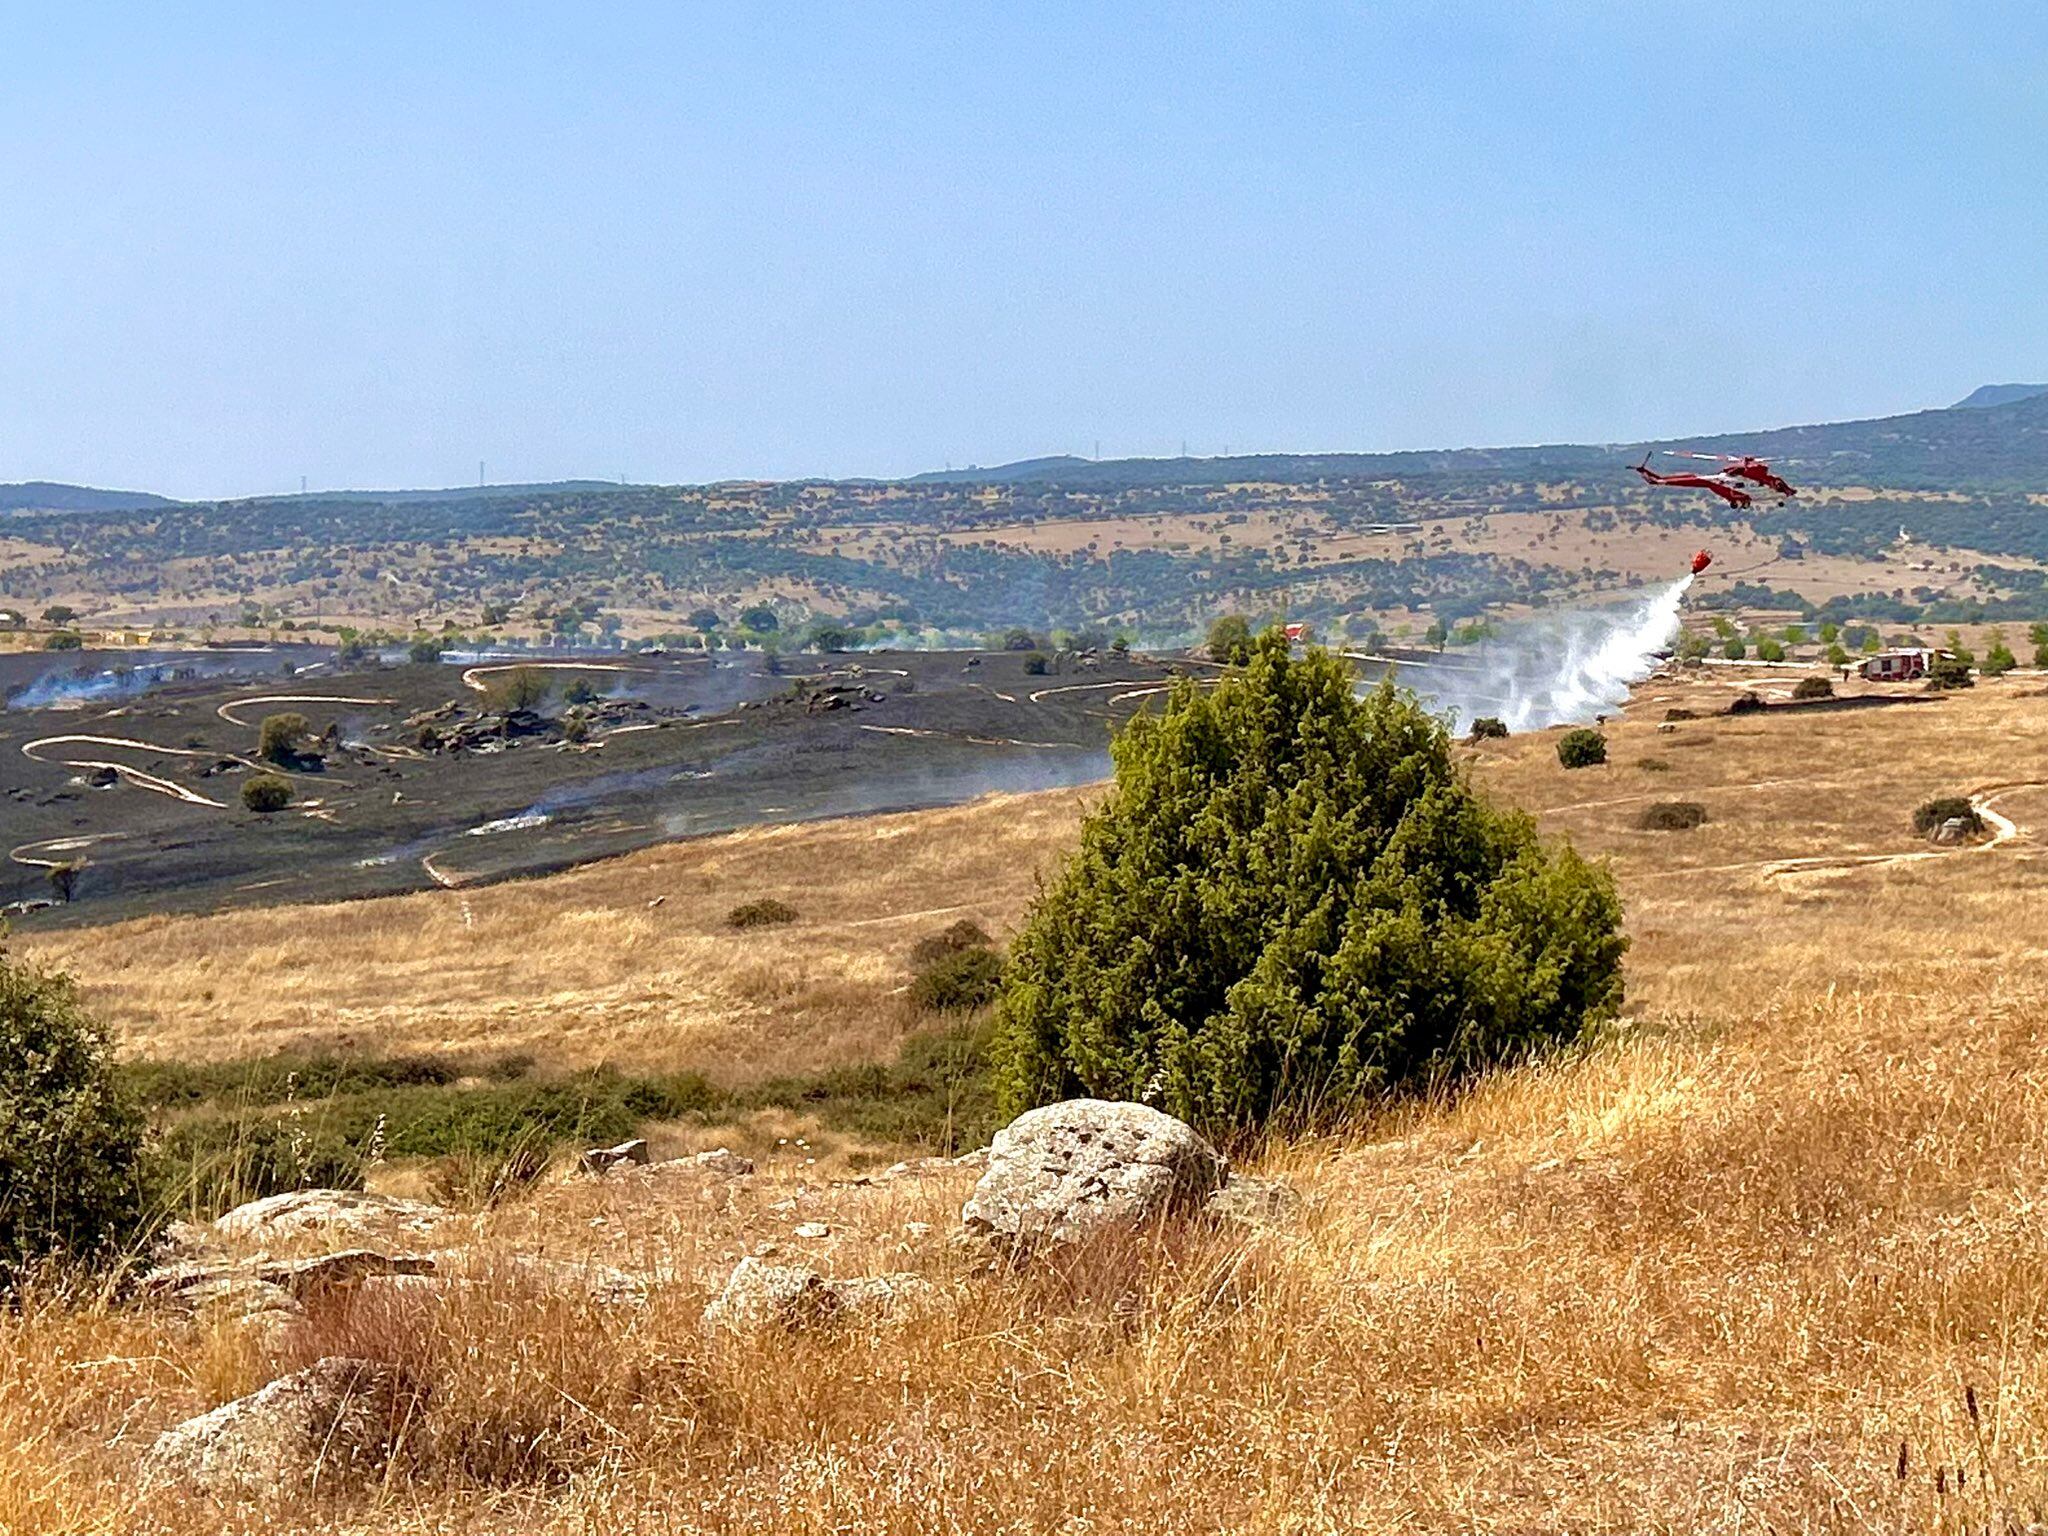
[[1069, 1171], [792, 1297], [334, 1423], [336, 1211]]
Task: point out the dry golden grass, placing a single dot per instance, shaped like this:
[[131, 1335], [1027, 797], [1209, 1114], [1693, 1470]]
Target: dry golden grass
[[579, 968], [1722, 1271]]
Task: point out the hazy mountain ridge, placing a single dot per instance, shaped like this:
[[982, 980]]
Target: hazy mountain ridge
[[1993, 438]]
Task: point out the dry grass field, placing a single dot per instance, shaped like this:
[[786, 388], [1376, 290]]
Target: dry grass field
[[1771, 1257]]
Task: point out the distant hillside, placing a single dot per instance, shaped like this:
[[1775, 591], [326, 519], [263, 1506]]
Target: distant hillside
[[1009, 474], [48, 496], [1980, 444], [1999, 394], [451, 493]]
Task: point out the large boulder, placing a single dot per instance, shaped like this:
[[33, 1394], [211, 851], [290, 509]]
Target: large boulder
[[792, 1297], [334, 1423], [1070, 1171], [330, 1211]]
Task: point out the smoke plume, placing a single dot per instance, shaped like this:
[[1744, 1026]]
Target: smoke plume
[[1559, 669]]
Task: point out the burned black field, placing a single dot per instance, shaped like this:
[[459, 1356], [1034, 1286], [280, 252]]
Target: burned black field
[[417, 775]]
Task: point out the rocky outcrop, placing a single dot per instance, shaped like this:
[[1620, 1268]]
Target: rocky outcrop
[[760, 1296], [335, 1423], [248, 1286], [1067, 1172], [300, 1212], [604, 1159]]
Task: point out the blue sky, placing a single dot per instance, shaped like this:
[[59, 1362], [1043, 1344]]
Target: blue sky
[[373, 244]]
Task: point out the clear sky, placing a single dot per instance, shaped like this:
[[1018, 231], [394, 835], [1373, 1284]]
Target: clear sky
[[372, 244]]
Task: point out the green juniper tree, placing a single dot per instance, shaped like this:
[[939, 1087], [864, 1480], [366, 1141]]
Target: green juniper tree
[[1293, 903], [70, 1147]]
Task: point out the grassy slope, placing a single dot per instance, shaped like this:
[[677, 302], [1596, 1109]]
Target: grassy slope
[[1718, 1271]]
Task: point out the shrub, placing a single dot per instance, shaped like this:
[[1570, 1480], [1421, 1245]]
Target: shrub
[[279, 738], [1746, 704], [1672, 816], [70, 1144], [1488, 728], [1291, 904], [1999, 659], [1769, 650], [581, 691], [765, 913], [968, 978], [266, 792], [423, 652], [1036, 664], [63, 878], [1681, 714], [65, 640], [1582, 748], [1734, 650], [1653, 765], [1928, 818], [1949, 672], [521, 688], [1813, 688], [963, 935], [1230, 640]]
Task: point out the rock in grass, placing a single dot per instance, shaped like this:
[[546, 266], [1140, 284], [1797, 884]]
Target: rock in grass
[[1071, 1171], [792, 1298], [604, 1159], [333, 1424], [301, 1211]]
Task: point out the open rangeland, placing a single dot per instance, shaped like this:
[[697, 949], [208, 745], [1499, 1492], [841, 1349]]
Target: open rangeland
[[1770, 1257]]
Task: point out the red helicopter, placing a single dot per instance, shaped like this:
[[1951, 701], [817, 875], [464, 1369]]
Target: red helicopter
[[1739, 482]]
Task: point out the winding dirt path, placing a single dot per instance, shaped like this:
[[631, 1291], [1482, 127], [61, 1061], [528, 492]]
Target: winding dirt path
[[32, 751], [31, 854], [227, 710], [471, 675]]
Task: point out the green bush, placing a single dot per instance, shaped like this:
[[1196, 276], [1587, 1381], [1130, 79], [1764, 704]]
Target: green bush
[[1230, 640], [1293, 903], [521, 688], [1928, 818], [1949, 672], [952, 983], [765, 913], [1488, 728], [1769, 650], [65, 640], [279, 738], [1672, 816], [266, 792], [1036, 664], [1582, 748], [1734, 650], [951, 940], [1813, 688], [71, 1188]]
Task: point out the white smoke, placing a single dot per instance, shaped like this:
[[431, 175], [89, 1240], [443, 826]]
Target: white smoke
[[1560, 669]]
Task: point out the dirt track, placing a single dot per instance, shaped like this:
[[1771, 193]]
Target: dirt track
[[715, 745]]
